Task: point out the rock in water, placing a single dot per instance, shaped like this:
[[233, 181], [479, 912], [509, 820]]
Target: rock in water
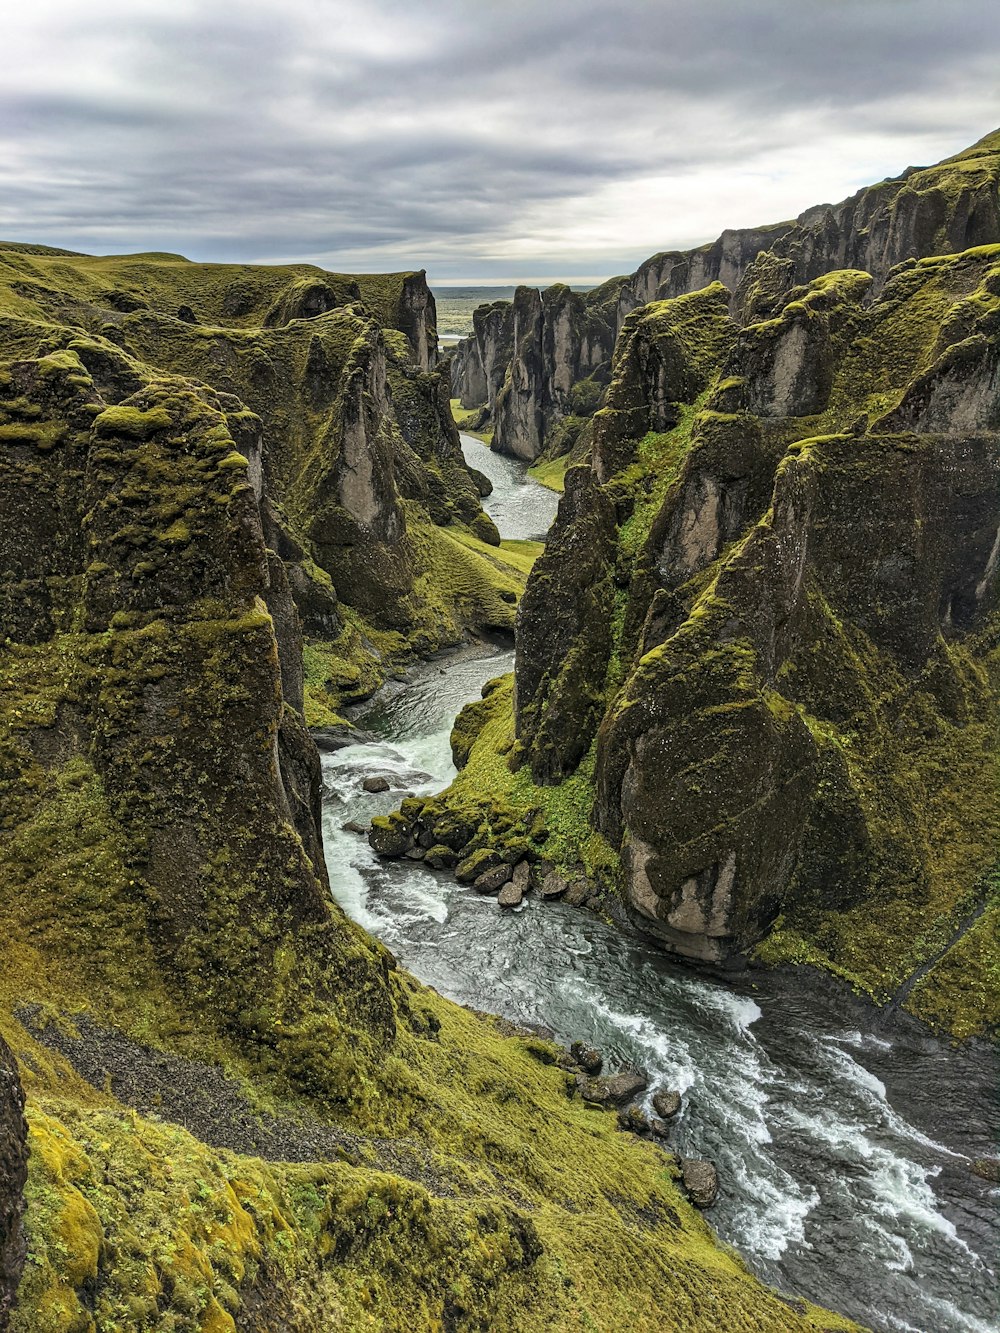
[[577, 893], [701, 1180], [634, 1120], [552, 886], [511, 895], [374, 785], [477, 863], [389, 837], [987, 1168], [589, 1060], [613, 1090], [666, 1102], [352, 826], [492, 880], [441, 857]]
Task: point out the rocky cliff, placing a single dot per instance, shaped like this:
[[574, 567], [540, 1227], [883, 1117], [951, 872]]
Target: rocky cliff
[[557, 362], [242, 1114], [759, 658]]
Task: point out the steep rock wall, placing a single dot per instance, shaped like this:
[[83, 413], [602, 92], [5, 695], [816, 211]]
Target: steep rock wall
[[948, 208], [790, 633]]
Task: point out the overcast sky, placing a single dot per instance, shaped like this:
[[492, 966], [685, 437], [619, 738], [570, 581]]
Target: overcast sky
[[483, 141]]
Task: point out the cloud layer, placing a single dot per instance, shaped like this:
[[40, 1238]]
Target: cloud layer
[[481, 139]]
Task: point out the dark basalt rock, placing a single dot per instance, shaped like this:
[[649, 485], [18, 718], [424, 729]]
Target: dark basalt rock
[[634, 1120], [666, 1103], [376, 784], [483, 484], [476, 864], [511, 895], [441, 857], [589, 1060], [331, 739], [390, 836], [987, 1168], [13, 1176], [491, 881], [701, 1180], [577, 893], [611, 1089], [552, 886]]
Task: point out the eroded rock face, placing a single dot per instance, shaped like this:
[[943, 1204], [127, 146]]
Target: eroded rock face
[[826, 539], [560, 672], [479, 363], [133, 556], [944, 209], [526, 360], [13, 1175]]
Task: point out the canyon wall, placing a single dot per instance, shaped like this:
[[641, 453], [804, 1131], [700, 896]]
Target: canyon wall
[[564, 339]]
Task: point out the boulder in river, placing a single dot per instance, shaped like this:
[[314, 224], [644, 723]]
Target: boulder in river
[[377, 784], [522, 876], [666, 1102], [634, 1120], [589, 1060], [552, 886], [483, 484], [511, 895], [658, 1128], [612, 1090], [577, 893], [352, 826], [701, 1180], [389, 836], [483, 859], [490, 881], [987, 1168], [441, 857]]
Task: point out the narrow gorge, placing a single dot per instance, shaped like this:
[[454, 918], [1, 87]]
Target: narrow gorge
[[420, 881]]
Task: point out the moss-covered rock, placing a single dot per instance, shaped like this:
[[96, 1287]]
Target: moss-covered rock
[[556, 361], [792, 625]]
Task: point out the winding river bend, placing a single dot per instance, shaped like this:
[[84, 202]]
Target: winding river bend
[[842, 1139]]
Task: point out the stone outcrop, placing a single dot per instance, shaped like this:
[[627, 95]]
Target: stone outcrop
[[562, 341], [13, 1175], [560, 673], [819, 557]]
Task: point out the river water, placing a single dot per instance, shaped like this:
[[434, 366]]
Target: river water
[[842, 1142]]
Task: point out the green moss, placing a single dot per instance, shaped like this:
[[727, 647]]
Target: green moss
[[466, 418], [132, 421], [551, 472]]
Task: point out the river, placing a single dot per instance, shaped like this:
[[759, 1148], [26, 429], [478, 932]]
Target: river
[[842, 1140]]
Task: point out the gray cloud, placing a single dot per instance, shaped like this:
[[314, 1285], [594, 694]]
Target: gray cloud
[[480, 139]]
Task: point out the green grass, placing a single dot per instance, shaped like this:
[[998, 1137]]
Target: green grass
[[551, 472]]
